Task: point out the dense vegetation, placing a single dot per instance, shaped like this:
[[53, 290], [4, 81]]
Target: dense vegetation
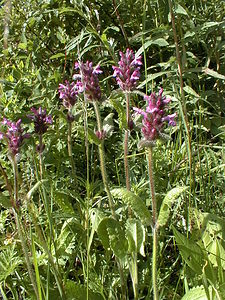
[[80, 214]]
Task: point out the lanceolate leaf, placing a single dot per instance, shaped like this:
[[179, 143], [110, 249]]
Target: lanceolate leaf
[[167, 203], [108, 124], [190, 251], [112, 236], [135, 233], [135, 202]]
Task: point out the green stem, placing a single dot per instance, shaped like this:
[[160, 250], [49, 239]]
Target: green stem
[[106, 184], [19, 228], [69, 144], [102, 161], [154, 226]]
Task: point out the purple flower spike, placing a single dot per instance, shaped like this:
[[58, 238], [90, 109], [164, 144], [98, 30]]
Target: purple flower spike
[[14, 135], [128, 72], [40, 119], [90, 82], [154, 117], [68, 92]]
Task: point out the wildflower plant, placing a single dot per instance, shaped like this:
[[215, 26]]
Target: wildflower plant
[[127, 74], [154, 118], [14, 136], [153, 123]]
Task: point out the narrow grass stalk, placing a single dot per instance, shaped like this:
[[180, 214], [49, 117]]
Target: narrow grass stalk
[[20, 230], [183, 103], [154, 226], [51, 227]]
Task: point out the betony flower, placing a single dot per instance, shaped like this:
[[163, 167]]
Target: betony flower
[[14, 135], [154, 116], [68, 93], [128, 72], [41, 120], [87, 80]]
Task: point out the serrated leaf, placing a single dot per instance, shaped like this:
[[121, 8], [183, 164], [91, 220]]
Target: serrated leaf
[[93, 138], [197, 293], [111, 235], [135, 233], [9, 261], [167, 203], [108, 124], [190, 251], [135, 202], [76, 291]]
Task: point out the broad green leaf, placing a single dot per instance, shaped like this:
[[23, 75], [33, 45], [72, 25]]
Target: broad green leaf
[[197, 293], [135, 233], [190, 251], [112, 235], [108, 124], [180, 10], [135, 202], [63, 201], [167, 203], [5, 201], [76, 291], [93, 138]]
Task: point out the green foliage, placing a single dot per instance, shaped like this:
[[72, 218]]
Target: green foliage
[[167, 203], [135, 233], [75, 291], [113, 237], [135, 202], [9, 261]]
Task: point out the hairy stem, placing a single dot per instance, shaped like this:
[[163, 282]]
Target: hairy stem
[[106, 184], [126, 143], [102, 161]]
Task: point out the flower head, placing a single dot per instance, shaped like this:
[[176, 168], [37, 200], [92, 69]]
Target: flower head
[[128, 72], [154, 116], [40, 119], [88, 80], [68, 92], [14, 135]]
